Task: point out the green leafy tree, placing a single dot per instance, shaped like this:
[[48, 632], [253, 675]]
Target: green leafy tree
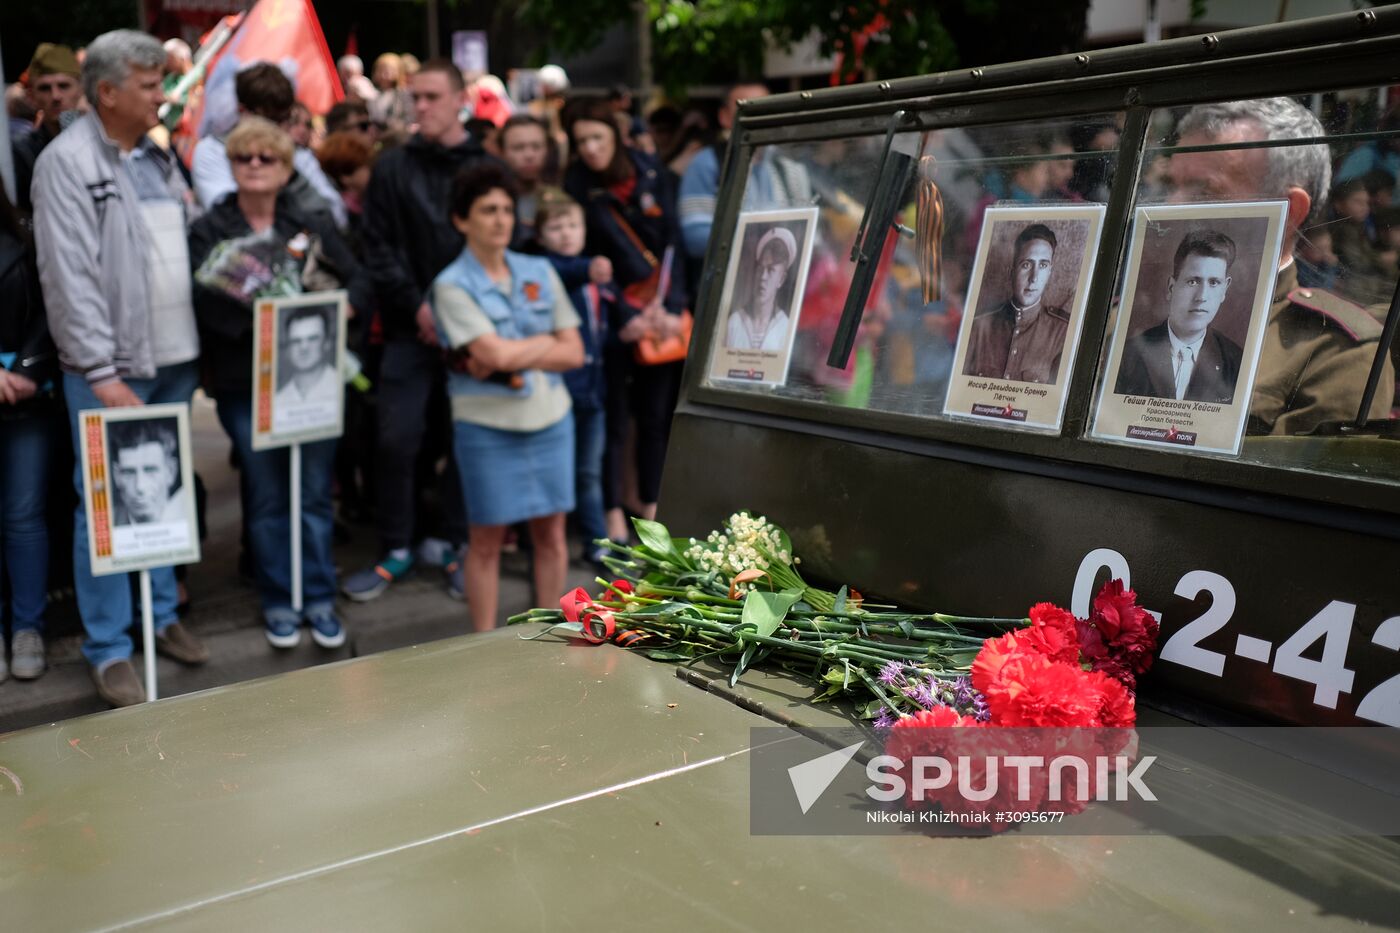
[[700, 40]]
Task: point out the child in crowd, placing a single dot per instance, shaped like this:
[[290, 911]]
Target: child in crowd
[[559, 227]]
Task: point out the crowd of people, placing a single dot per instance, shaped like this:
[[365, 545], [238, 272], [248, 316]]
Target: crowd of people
[[502, 265], [515, 274]]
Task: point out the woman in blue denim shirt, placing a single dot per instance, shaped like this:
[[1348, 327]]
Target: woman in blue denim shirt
[[510, 330]]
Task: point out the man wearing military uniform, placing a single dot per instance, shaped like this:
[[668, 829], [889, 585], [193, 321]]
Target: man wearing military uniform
[[1022, 338], [1318, 348], [55, 87]]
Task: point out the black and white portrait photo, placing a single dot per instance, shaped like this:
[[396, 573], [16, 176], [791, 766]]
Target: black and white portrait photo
[[763, 295], [138, 487], [300, 345], [1029, 283], [1186, 355], [1196, 298], [144, 465]]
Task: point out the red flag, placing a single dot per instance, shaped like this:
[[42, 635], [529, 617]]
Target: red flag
[[286, 33]]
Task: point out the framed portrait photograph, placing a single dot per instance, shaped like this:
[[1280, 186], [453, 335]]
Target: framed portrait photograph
[[138, 487], [1025, 309], [762, 296], [1182, 357], [298, 358]]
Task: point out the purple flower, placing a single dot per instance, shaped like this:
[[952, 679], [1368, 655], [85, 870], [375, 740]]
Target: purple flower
[[922, 695], [890, 673], [884, 720]]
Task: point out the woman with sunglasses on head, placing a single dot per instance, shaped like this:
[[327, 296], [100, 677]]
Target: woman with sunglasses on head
[[254, 243]]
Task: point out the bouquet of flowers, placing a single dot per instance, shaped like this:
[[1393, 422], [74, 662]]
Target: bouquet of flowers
[[738, 595], [258, 265]]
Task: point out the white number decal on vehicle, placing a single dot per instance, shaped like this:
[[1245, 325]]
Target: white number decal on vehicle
[[1330, 675], [1184, 647], [1382, 704], [1089, 568]]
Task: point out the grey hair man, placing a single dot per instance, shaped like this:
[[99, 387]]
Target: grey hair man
[[109, 223], [1318, 347]]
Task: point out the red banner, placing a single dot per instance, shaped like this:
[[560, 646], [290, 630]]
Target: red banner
[[286, 33]]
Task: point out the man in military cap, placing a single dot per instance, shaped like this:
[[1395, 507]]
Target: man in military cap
[[55, 89], [1318, 347], [1023, 337]]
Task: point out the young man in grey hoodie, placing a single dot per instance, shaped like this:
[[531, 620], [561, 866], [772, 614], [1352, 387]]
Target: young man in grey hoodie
[[110, 214]]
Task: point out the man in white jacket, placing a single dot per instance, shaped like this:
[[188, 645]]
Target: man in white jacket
[[110, 212]]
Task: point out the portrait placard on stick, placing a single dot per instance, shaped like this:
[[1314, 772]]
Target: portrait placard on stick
[[1196, 295], [138, 487], [298, 354], [1028, 287], [762, 296]]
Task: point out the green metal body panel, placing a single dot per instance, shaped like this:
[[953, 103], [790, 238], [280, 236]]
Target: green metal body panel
[[482, 783]]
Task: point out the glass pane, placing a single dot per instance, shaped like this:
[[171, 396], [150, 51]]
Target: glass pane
[[905, 347], [1332, 160]]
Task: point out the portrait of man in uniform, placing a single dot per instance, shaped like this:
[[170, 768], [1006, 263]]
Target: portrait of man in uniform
[[1183, 356], [761, 300], [1022, 337], [760, 321], [144, 466]]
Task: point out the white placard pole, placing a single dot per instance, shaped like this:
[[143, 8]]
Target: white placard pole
[[148, 635], [296, 527]]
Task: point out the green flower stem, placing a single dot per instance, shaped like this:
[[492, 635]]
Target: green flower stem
[[974, 620]]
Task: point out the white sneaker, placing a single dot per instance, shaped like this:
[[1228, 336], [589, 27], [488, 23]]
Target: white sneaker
[[435, 552], [27, 655]]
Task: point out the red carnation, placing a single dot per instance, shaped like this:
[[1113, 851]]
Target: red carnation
[[1032, 690], [986, 668], [1052, 633], [1117, 668], [1126, 629], [1116, 709], [940, 717]]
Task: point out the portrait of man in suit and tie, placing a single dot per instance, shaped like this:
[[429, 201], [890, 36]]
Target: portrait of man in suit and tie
[[1183, 356]]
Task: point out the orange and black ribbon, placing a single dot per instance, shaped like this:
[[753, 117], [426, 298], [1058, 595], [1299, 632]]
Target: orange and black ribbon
[[928, 230]]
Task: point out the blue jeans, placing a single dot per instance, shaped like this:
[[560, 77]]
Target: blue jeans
[[26, 449], [267, 481], [105, 602], [590, 440]]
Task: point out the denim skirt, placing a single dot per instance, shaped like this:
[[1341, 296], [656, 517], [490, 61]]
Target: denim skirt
[[512, 476]]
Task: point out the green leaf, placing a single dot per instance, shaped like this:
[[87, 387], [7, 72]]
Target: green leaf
[[659, 655], [840, 605], [784, 541], [655, 537], [765, 611]]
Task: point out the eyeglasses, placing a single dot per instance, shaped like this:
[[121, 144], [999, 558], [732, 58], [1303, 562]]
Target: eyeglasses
[[260, 158]]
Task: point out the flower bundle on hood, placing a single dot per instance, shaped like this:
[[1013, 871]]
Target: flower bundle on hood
[[1061, 671]]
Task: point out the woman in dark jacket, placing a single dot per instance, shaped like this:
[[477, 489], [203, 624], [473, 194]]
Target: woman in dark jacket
[[28, 406], [256, 243], [629, 201]]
